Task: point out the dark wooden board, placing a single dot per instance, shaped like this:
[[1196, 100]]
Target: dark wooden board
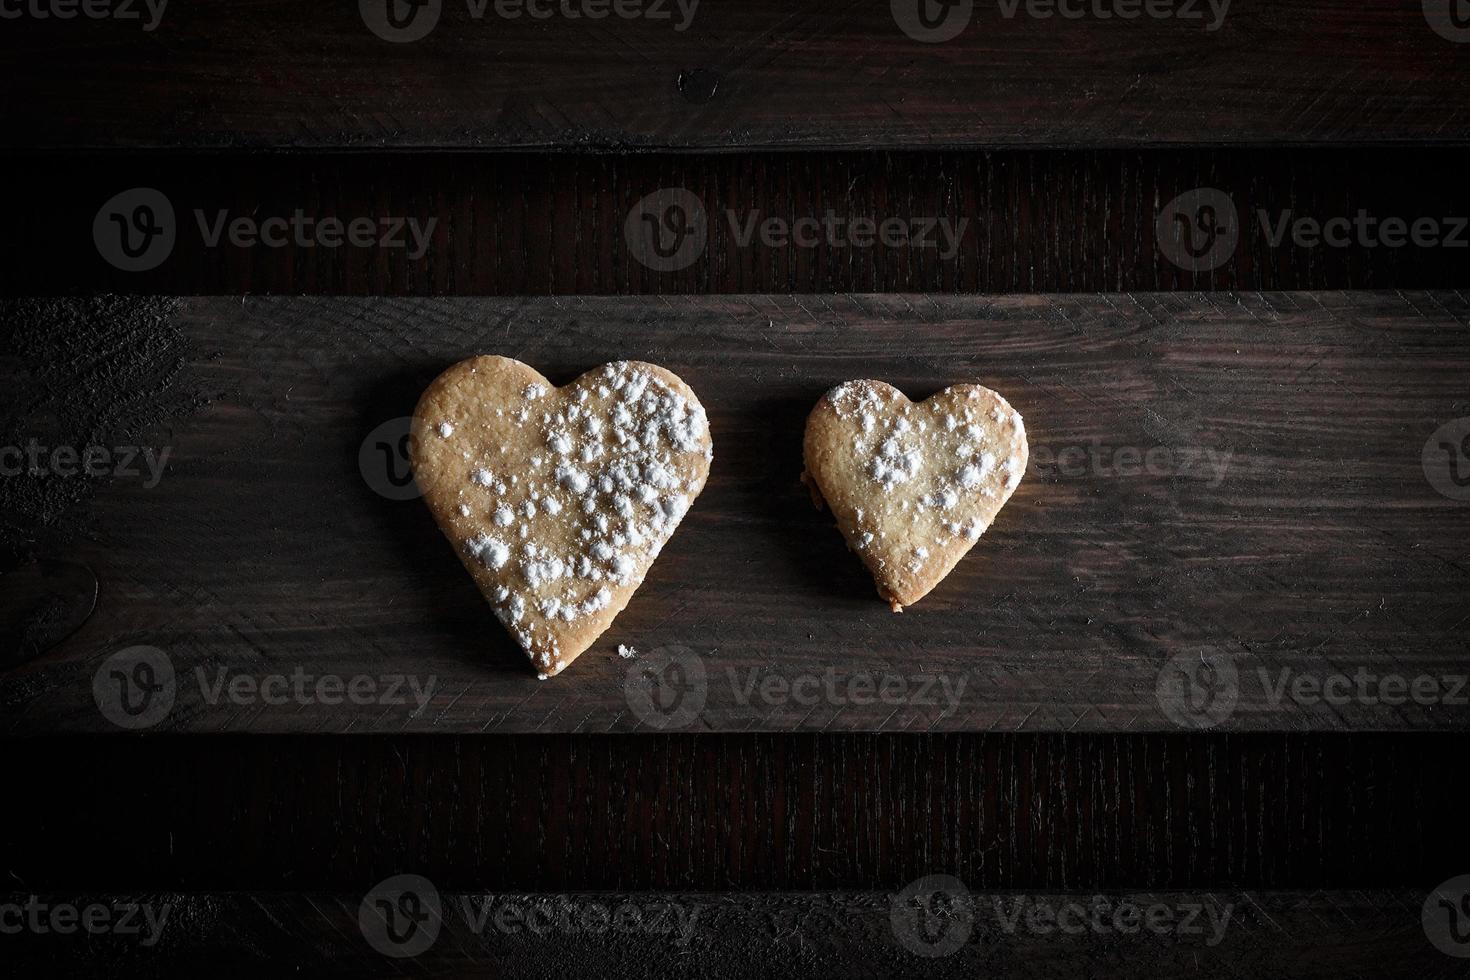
[[516, 224], [1321, 550], [745, 812], [266, 73], [1331, 935]]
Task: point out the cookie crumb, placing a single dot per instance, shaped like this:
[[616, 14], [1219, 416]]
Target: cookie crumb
[[626, 652]]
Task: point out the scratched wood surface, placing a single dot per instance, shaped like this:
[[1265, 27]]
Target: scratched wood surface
[[832, 74], [1242, 513], [548, 224], [781, 812], [421, 931]]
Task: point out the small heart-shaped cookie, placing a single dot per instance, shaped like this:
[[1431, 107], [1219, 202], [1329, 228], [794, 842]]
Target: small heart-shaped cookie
[[558, 499], [913, 486]]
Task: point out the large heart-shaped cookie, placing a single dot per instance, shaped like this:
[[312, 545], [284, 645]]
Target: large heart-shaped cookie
[[913, 486], [558, 499]]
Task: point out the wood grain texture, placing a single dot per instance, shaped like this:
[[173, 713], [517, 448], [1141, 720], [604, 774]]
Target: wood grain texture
[[1330, 935], [1320, 550], [833, 74], [735, 812], [539, 224]]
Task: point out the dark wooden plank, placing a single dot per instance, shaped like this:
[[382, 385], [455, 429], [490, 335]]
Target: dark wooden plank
[[734, 812], [1320, 552], [1176, 935], [511, 224], [265, 73]]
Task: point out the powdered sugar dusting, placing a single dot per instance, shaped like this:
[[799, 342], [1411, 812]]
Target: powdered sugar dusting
[[917, 476], [607, 470]]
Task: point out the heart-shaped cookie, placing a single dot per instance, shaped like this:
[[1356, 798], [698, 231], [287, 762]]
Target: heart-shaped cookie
[[912, 486], [558, 499]]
